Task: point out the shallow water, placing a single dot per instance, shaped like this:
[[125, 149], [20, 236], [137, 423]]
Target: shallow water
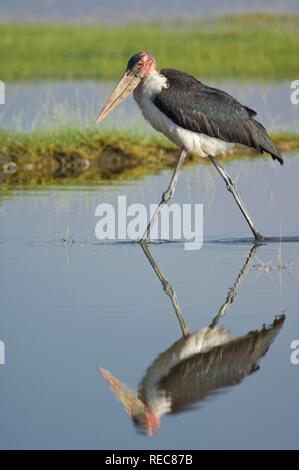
[[132, 10], [68, 307], [58, 103]]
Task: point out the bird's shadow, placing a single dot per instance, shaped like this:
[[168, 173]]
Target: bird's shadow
[[207, 241], [249, 241]]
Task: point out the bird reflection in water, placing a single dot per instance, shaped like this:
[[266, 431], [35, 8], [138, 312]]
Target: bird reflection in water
[[196, 365]]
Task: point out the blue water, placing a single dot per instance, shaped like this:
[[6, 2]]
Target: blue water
[[54, 104], [133, 10]]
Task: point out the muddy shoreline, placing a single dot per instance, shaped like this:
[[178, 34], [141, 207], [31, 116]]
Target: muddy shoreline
[[40, 160]]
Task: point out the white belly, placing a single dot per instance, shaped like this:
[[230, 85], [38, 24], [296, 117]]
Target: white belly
[[194, 142]]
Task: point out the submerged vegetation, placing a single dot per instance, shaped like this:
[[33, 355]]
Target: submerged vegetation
[[242, 46], [86, 156]]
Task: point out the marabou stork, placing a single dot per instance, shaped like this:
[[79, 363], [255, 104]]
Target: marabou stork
[[199, 119]]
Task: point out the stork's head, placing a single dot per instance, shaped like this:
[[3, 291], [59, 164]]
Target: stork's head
[[139, 66]]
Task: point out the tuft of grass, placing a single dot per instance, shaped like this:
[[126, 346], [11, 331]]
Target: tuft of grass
[[263, 46], [72, 156]]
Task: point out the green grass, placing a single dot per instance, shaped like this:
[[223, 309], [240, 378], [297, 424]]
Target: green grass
[[72, 156], [261, 46]]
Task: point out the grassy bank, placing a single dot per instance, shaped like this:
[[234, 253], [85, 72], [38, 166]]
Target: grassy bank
[[76, 156], [243, 46]]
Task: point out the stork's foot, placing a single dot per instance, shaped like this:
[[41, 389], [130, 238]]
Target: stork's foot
[[258, 237]]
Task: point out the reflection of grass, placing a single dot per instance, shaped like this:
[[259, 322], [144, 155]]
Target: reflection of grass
[[78, 156], [244, 46]]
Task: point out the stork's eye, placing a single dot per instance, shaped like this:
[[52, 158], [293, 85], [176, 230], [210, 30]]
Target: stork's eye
[[139, 65]]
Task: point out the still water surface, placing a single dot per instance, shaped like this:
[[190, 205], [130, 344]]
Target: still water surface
[[54, 104], [68, 308], [120, 11]]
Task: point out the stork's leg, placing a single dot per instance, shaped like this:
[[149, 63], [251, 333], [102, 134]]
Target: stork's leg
[[168, 289], [232, 189], [167, 195]]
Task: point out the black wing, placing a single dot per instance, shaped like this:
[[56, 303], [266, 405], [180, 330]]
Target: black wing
[[200, 108]]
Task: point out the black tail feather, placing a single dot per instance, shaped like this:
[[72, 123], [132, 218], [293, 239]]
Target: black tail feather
[[264, 143], [277, 156]]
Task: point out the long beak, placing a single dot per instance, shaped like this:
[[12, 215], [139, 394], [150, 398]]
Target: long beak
[[127, 84]]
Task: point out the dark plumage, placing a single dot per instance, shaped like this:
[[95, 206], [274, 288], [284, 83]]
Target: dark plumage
[[196, 377], [200, 108]]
